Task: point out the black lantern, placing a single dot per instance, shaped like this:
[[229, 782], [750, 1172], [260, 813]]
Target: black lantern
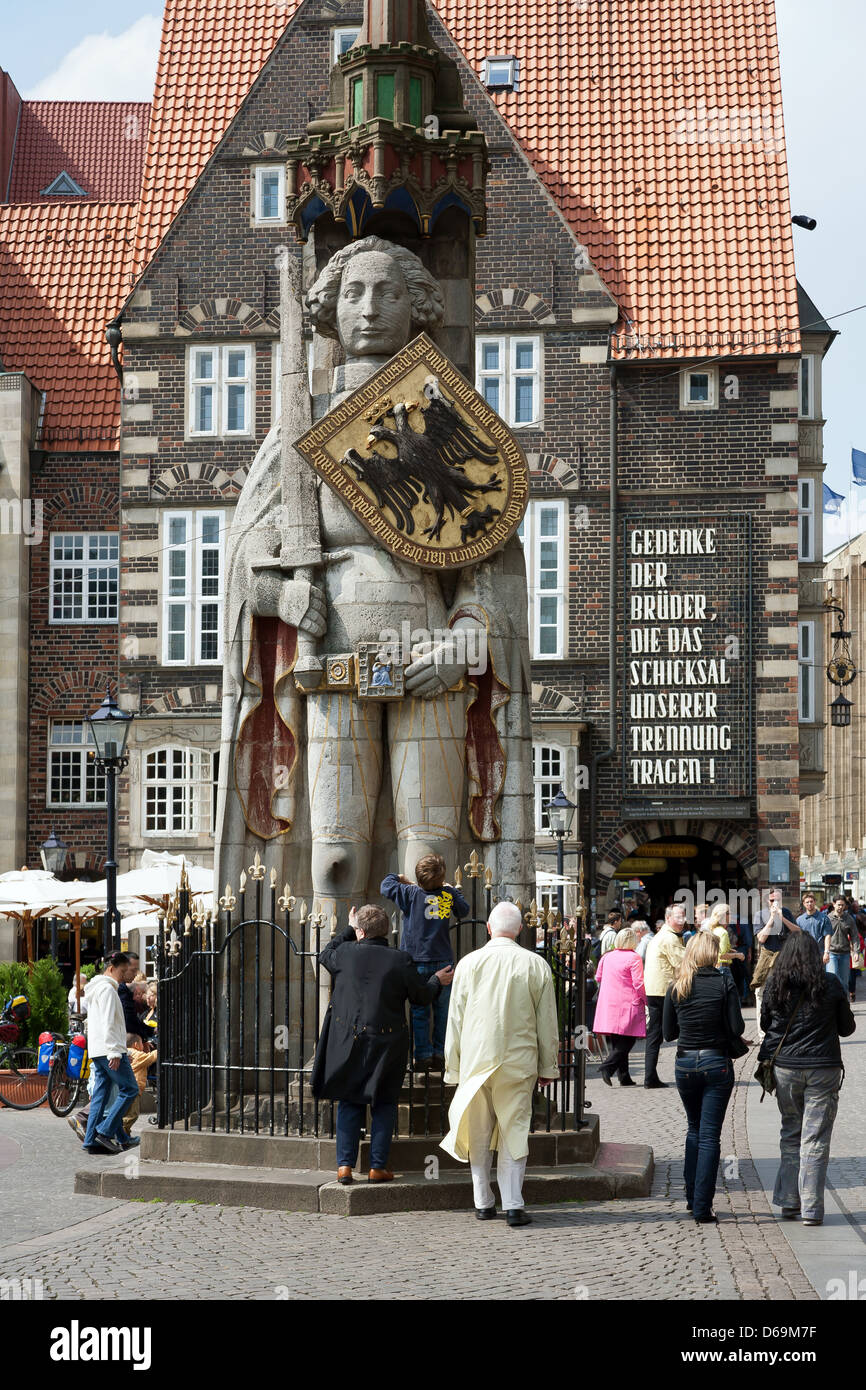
[[840, 712], [109, 726], [560, 813], [110, 729], [53, 854]]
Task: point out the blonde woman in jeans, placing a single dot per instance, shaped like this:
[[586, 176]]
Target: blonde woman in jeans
[[813, 1007], [702, 1012], [717, 923]]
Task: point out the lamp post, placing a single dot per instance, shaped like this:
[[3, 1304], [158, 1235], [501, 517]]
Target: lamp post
[[53, 855], [560, 813], [109, 727]]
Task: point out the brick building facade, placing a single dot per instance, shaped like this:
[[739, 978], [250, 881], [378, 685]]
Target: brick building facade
[[574, 310]]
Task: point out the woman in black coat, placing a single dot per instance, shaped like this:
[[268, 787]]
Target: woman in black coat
[[364, 1043], [804, 1013]]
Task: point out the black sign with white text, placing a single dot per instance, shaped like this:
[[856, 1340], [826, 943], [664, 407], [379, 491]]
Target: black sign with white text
[[687, 741]]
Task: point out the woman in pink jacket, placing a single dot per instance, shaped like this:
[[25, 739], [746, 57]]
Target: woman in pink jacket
[[620, 1011]]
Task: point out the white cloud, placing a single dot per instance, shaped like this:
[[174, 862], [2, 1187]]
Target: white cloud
[[106, 67]]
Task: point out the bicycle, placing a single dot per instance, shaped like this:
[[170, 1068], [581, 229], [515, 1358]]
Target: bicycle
[[65, 1090], [21, 1085]]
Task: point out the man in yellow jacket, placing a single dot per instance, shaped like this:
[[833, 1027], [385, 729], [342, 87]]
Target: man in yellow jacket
[[502, 1035], [664, 957]]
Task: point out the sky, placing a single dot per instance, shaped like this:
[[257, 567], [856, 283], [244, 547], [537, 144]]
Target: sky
[[106, 50]]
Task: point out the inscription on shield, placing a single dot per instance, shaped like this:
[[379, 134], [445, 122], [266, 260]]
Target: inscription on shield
[[423, 462]]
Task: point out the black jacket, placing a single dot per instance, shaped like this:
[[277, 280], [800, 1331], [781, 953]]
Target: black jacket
[[364, 1044], [131, 1017], [699, 1020], [813, 1037]]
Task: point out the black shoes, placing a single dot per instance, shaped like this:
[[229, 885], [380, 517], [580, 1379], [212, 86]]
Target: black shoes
[[707, 1220], [485, 1213], [790, 1213], [813, 1220], [626, 1081], [654, 1084], [606, 1079], [437, 1063], [518, 1217], [110, 1146]]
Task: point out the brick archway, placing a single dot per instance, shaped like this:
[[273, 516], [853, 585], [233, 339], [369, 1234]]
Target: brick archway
[[731, 837]]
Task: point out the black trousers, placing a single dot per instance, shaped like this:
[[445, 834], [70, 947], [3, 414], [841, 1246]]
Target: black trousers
[[617, 1058], [655, 1004]]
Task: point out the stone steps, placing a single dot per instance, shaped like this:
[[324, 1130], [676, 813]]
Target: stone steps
[[619, 1170], [409, 1153]]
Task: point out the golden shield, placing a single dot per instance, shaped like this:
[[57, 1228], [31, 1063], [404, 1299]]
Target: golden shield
[[423, 462]]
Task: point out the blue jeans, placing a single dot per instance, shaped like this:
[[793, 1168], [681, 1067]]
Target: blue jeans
[[839, 964], [350, 1118], [421, 1015], [705, 1081], [104, 1118]]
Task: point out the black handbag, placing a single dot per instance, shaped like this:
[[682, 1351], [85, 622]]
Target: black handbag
[[737, 1046], [765, 1071]]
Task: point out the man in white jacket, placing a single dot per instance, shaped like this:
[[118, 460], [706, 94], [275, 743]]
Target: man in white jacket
[[106, 1043], [502, 1035]]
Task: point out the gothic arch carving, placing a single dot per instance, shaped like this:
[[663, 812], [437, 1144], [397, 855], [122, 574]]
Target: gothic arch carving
[[556, 469], [226, 484]]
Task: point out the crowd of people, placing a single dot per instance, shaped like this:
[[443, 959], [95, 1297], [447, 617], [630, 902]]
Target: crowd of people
[[681, 984]]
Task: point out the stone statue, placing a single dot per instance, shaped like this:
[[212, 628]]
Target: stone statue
[[328, 786]]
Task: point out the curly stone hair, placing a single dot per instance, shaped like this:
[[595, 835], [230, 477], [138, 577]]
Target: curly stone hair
[[428, 305]]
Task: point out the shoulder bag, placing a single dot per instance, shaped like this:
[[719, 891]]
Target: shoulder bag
[[765, 1071]]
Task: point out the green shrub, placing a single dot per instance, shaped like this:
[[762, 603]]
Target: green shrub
[[43, 985]]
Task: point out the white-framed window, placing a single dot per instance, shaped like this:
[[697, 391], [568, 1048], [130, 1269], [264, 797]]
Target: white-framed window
[[543, 533], [178, 789], [221, 390], [501, 72], [548, 770], [84, 577], [806, 519], [806, 672], [73, 776], [806, 384], [341, 42], [270, 194], [699, 388], [508, 376], [192, 588]]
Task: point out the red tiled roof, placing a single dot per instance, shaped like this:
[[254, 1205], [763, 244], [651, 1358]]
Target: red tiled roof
[[100, 144], [692, 237], [64, 270], [212, 51]]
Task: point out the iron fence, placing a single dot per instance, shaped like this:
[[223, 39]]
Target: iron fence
[[241, 1000]]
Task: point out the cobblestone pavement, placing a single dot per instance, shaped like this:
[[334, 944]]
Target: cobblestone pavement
[[91, 1248]]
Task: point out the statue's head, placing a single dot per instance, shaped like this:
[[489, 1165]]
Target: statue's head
[[370, 294]]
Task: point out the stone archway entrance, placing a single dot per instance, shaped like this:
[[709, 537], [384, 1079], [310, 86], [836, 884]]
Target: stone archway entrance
[[705, 860]]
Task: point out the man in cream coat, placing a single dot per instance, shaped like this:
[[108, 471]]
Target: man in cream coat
[[502, 1035]]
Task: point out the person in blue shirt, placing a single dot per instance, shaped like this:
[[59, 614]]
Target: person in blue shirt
[[427, 906], [812, 920]]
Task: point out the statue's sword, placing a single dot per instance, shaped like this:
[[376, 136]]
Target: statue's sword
[[301, 551]]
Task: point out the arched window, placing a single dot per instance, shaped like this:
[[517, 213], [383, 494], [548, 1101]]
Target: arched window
[[179, 786], [548, 771]]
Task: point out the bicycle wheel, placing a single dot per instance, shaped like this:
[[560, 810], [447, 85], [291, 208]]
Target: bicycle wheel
[[62, 1088], [21, 1085]]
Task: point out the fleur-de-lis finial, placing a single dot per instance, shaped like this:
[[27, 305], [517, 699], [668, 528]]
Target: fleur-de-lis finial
[[473, 866], [286, 902], [174, 943], [531, 918], [257, 869], [228, 901]]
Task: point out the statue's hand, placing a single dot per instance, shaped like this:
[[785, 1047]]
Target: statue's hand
[[299, 603], [436, 666]]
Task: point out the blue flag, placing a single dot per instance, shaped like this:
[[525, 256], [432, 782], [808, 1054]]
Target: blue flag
[[858, 466], [832, 502]]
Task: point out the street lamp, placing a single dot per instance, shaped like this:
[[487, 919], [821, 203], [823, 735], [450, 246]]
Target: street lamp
[[840, 712], [560, 813], [109, 727], [53, 854]]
